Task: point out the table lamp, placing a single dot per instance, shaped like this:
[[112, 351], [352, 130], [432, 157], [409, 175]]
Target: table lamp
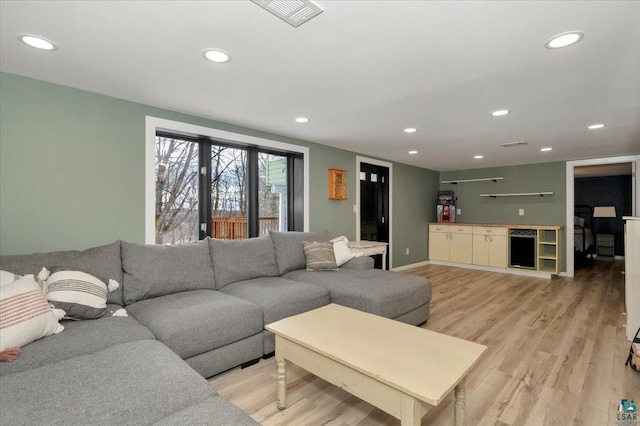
[[604, 213]]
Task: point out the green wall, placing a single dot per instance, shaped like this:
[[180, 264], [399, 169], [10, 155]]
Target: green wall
[[417, 201], [72, 173], [542, 177]]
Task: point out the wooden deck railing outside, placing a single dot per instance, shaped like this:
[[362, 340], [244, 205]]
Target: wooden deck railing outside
[[235, 228]]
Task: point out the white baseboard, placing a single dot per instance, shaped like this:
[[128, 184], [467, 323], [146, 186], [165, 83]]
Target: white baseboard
[[511, 271], [411, 266]]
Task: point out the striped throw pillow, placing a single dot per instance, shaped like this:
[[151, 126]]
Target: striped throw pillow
[[320, 256], [25, 314], [80, 295]]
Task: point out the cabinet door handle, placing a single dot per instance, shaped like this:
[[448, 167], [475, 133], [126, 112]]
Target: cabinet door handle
[[488, 231]]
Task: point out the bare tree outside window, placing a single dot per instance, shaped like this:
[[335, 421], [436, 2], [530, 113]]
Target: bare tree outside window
[[176, 191]]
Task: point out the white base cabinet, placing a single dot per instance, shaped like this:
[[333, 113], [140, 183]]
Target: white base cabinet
[[488, 246], [439, 242], [460, 244], [632, 274], [450, 243]]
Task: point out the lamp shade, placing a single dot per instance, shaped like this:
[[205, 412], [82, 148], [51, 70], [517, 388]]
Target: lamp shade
[[606, 211]]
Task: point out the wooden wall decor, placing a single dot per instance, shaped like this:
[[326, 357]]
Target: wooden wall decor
[[337, 184]]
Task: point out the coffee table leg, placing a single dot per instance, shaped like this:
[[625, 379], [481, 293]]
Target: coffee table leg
[[412, 411], [460, 415], [282, 383]]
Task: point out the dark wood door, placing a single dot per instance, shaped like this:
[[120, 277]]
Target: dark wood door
[[374, 205]]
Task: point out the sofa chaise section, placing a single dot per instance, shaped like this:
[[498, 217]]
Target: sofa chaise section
[[136, 383], [78, 338], [389, 294]]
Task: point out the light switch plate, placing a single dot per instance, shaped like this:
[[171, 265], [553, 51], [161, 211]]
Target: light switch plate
[[521, 212], [458, 212]]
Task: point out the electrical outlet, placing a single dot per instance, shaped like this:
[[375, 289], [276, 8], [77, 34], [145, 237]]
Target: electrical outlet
[[521, 212], [459, 212], [355, 208], [407, 251]]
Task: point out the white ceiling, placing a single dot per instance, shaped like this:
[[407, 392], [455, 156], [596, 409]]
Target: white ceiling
[[362, 71]]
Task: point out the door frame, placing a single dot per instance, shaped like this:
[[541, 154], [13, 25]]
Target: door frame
[[571, 165], [356, 209]]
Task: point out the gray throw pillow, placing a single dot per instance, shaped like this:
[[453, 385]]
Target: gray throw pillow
[[320, 256]]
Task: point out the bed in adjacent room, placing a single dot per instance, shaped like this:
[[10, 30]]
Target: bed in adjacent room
[[583, 239]]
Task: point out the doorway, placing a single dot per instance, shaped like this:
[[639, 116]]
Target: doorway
[[374, 205], [570, 197]]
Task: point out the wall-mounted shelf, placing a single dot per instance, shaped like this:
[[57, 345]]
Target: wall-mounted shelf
[[457, 181], [517, 194]]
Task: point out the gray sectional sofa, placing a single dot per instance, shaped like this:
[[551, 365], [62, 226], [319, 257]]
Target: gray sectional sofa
[[194, 310]]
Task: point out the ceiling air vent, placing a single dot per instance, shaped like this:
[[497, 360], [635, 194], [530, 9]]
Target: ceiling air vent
[[514, 144], [294, 12]]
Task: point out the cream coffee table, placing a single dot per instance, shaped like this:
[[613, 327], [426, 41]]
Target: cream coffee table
[[401, 369]]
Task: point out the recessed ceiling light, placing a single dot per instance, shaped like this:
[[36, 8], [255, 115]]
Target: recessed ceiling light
[[413, 152], [410, 130], [564, 39], [478, 157], [302, 120], [545, 149], [595, 126], [37, 42], [500, 112], [216, 55]]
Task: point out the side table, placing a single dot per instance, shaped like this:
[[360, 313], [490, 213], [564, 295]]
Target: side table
[[605, 246], [370, 248]]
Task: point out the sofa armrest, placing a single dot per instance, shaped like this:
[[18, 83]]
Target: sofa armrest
[[364, 262]]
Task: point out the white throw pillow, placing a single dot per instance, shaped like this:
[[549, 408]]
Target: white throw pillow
[[25, 314], [80, 295], [341, 250], [8, 277]]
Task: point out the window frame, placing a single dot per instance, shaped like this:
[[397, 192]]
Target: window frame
[[154, 125]]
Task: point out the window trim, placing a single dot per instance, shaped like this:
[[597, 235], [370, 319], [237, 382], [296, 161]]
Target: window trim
[[154, 124]]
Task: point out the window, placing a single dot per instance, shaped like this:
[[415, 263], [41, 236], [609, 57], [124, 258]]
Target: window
[[205, 187]]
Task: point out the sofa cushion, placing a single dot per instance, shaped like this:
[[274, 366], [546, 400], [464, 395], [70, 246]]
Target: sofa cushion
[[238, 260], [279, 297], [25, 314], [152, 270], [289, 250], [103, 262], [363, 262], [129, 384], [385, 293], [212, 412], [78, 338], [193, 322]]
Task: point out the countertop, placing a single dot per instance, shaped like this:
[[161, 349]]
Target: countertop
[[499, 225]]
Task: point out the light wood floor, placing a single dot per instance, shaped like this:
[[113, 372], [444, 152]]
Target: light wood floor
[[556, 353]]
